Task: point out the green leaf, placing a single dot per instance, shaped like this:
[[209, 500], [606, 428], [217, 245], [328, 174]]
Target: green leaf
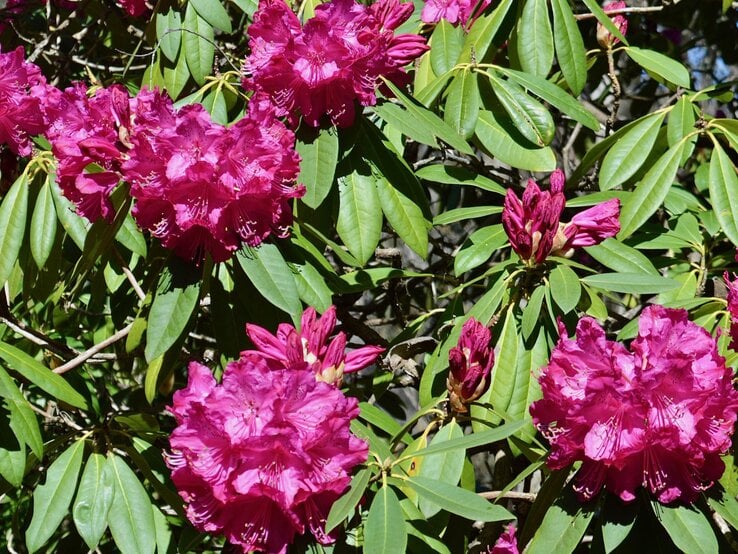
[[13, 465], [152, 378], [650, 192], [359, 221], [661, 65], [431, 121], [605, 20], [131, 517], [532, 311], [405, 217], [527, 389], [689, 528], [479, 438], [174, 302], [130, 236], [478, 248], [402, 120], [630, 151], [74, 225], [569, 46], [384, 529], [366, 279], [633, 283], [463, 103], [94, 498], [681, 121], [214, 13], [168, 33], [529, 117], [552, 94], [457, 500], [723, 186], [343, 507], [13, 214], [51, 500], [446, 44], [535, 44], [311, 287], [22, 420], [494, 138], [41, 376], [43, 226], [726, 506], [460, 214], [175, 76], [562, 527], [272, 277], [483, 32], [617, 522], [319, 153], [445, 467], [565, 288], [198, 45], [622, 258], [451, 175], [379, 419]]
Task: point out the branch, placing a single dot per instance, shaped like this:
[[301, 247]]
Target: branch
[[582, 16], [84, 356]]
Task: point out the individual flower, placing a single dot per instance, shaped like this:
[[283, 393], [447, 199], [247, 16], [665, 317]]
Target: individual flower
[[134, 8], [658, 415], [604, 37], [732, 300], [335, 59], [262, 456], [203, 188], [22, 92], [507, 543], [311, 348], [470, 363], [88, 133], [454, 11], [534, 226]]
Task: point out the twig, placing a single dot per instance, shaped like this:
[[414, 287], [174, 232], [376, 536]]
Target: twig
[[581, 16], [512, 495], [616, 92], [84, 356]]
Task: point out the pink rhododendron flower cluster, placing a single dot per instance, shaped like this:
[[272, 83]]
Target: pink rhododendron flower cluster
[[335, 59], [732, 300], [658, 415], [134, 8], [604, 37], [22, 91], [310, 347], [470, 363], [202, 187], [534, 225], [507, 543], [454, 11], [263, 455]]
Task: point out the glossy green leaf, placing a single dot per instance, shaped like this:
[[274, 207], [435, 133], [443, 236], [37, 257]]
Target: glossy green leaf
[[344, 506], [168, 33], [311, 287], [451, 175], [446, 44], [13, 213], [41, 376], [13, 465], [502, 378], [153, 370], [634, 283], [93, 501], [198, 45], [620, 257], [478, 438], [130, 236], [131, 516], [570, 51], [460, 214], [214, 13], [23, 422], [562, 527], [726, 506], [463, 103], [74, 225], [175, 76], [359, 221], [402, 120], [51, 500], [650, 192], [445, 467], [723, 186], [384, 529], [457, 500], [565, 288], [405, 217], [478, 248], [214, 102], [630, 151], [497, 141], [688, 527], [272, 277], [532, 311], [617, 522], [527, 388], [483, 32], [535, 43], [319, 153], [681, 121], [659, 64], [43, 225]]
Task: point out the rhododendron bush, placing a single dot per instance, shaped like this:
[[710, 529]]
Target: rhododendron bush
[[435, 276]]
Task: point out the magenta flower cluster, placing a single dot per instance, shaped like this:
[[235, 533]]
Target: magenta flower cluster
[[456, 12], [656, 416], [470, 364], [262, 456]]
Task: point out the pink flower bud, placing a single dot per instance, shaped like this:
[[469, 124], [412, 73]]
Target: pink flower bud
[[470, 363], [604, 37]]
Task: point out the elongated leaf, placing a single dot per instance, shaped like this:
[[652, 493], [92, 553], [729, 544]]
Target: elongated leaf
[[446, 43], [384, 530], [483, 32], [175, 75], [659, 64], [13, 213], [74, 225], [43, 226], [497, 141], [273, 278], [130, 236], [451, 175], [168, 33], [634, 283], [689, 528], [726, 506], [51, 500], [562, 527], [13, 465], [214, 13], [527, 389], [131, 517], [617, 522], [311, 287], [319, 153], [22, 420], [460, 214], [479, 438], [681, 120], [41, 376], [457, 500], [650, 192], [535, 44], [565, 288], [630, 151], [445, 467], [723, 186], [402, 120], [94, 498], [359, 221], [569, 46], [463, 103], [620, 257], [405, 217], [532, 311], [198, 44], [478, 248], [343, 507], [175, 300]]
